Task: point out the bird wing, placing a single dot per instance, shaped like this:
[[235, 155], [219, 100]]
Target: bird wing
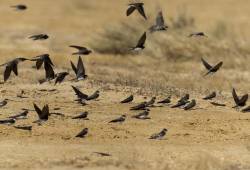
[[160, 19], [208, 66], [217, 66], [80, 67], [244, 98], [142, 40], [79, 93], [49, 72], [141, 11], [236, 98], [45, 112], [78, 47], [39, 63], [130, 10], [73, 67], [38, 110], [7, 73], [14, 68], [48, 60]]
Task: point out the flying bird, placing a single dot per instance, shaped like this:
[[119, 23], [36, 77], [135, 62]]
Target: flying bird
[[19, 7], [140, 45], [190, 105], [128, 99], [39, 37], [160, 24], [136, 6], [79, 70], [140, 106], [82, 115], [12, 66], [22, 115], [42, 114], [159, 135], [81, 95], [60, 77], [239, 101], [119, 119], [210, 96], [83, 133], [81, 50], [211, 69], [197, 34]]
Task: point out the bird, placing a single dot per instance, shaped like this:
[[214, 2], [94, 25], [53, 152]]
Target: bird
[[240, 102], [119, 119], [197, 34], [12, 66], [246, 109], [165, 101], [136, 6], [42, 114], [7, 121], [211, 69], [217, 104], [102, 153], [140, 106], [20, 95], [182, 101], [39, 37], [210, 96], [94, 96], [184, 98], [49, 72], [4, 102], [128, 99], [143, 115], [82, 115], [160, 24], [22, 115], [79, 70], [19, 7], [81, 50], [83, 133], [151, 102], [29, 128], [159, 135], [190, 105], [140, 45], [60, 77], [40, 59]]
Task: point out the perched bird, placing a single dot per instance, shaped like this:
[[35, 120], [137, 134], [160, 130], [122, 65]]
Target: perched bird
[[4, 102], [210, 96], [60, 77], [182, 101], [81, 50], [159, 135], [22, 115], [240, 102], [165, 101], [119, 119], [190, 105], [211, 69], [79, 70], [83, 133], [82, 115], [39, 37], [197, 34], [128, 99], [140, 45], [94, 96], [217, 104], [7, 121], [29, 128], [143, 115], [136, 6], [160, 24], [151, 102], [140, 106], [12, 66], [184, 98], [19, 7], [42, 114]]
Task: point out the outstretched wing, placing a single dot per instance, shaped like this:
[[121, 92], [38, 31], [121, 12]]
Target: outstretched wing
[[244, 99], [130, 10], [49, 72], [141, 11], [142, 40], [208, 66], [78, 47], [79, 94], [217, 66], [38, 110], [80, 67], [7, 73], [236, 98]]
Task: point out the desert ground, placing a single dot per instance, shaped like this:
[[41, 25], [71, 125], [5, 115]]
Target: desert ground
[[205, 138]]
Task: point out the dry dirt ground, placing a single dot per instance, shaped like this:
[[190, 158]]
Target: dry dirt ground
[[205, 138]]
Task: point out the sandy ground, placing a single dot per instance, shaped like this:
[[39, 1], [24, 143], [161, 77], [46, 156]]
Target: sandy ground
[[205, 138]]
